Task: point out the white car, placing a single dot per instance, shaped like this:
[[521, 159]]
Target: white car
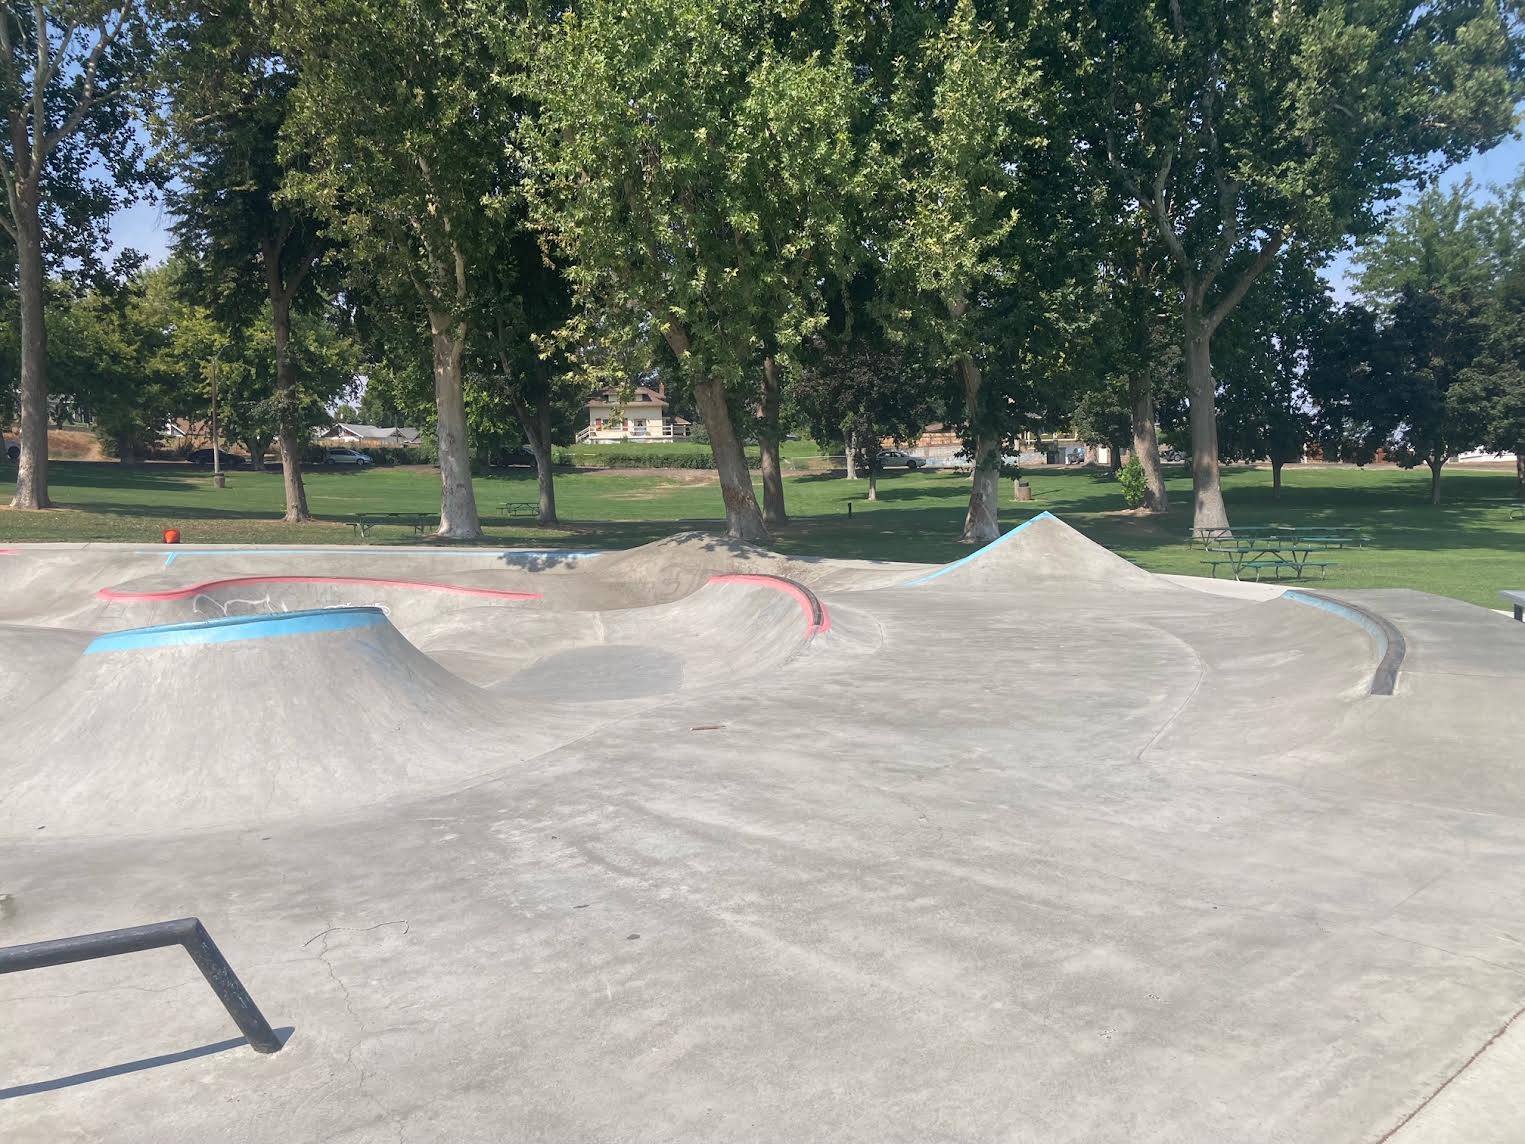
[[898, 459], [347, 457]]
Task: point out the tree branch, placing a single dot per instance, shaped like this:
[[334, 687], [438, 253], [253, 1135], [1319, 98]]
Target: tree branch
[[87, 94], [1268, 252]]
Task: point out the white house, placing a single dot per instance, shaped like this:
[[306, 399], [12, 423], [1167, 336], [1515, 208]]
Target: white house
[[643, 416], [344, 433]]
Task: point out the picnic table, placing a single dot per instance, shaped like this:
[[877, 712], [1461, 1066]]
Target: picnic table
[[422, 522], [1517, 599], [520, 508], [1330, 535], [1268, 554]]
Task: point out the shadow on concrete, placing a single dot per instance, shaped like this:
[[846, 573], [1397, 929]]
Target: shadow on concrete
[[133, 1066]]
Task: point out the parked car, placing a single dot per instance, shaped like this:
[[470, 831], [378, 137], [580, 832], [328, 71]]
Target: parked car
[[12, 450], [347, 457], [899, 459], [226, 459], [520, 458]]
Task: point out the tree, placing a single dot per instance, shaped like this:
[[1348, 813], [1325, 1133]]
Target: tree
[[1494, 384], [526, 304], [1263, 354], [976, 192], [693, 162], [127, 356], [1242, 129], [401, 112], [1104, 416], [246, 248], [71, 75], [863, 390]]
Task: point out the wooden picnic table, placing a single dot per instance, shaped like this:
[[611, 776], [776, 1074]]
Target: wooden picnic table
[[421, 521]]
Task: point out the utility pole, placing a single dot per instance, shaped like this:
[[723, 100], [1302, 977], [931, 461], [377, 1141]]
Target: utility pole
[[217, 478]]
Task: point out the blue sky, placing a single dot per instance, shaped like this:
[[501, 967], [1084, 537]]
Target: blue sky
[[145, 226]]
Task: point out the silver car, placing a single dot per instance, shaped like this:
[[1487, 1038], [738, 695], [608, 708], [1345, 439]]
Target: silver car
[[347, 457]]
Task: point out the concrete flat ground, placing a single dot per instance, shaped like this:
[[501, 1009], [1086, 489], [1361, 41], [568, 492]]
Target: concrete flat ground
[[694, 842]]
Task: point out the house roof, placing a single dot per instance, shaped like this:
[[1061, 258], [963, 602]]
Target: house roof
[[372, 432], [641, 395]]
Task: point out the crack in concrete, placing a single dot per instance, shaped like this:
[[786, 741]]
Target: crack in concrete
[[349, 1006]]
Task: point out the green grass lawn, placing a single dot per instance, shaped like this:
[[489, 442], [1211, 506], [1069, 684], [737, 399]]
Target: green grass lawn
[[1467, 547]]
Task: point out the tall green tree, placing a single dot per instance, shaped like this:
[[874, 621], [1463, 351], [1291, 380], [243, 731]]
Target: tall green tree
[[694, 164], [967, 124], [73, 74], [246, 248], [402, 112], [1243, 128]]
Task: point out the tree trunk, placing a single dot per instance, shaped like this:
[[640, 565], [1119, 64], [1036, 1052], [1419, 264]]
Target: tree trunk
[[32, 469], [873, 480], [1276, 478], [458, 503], [852, 456], [1146, 446], [980, 526], [1519, 475], [1436, 464], [743, 519], [1209, 511], [768, 436], [127, 449], [256, 447], [286, 399], [535, 420], [1114, 458]]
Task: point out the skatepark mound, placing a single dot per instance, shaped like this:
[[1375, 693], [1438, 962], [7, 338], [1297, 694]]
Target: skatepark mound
[[735, 626], [405, 601], [1039, 552], [251, 717]]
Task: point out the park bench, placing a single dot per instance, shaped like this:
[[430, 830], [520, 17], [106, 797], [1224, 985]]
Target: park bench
[[520, 508], [1518, 600], [422, 522], [1517, 512]]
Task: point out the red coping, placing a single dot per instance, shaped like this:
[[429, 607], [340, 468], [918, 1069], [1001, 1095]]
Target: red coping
[[808, 601]]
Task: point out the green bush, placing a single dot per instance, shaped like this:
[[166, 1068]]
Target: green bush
[[405, 455], [1131, 478]]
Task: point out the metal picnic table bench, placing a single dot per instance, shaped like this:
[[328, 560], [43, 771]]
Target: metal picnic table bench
[[520, 508], [421, 521], [1517, 599]]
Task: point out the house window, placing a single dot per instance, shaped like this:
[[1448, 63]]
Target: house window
[[598, 423]]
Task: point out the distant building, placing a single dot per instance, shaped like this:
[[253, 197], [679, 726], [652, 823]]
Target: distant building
[[371, 436], [642, 417]]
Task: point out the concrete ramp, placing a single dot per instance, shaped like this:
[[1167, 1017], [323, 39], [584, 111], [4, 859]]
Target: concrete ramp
[[202, 724], [1043, 549]]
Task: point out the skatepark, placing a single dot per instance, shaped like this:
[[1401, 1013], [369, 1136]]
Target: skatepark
[[699, 842]]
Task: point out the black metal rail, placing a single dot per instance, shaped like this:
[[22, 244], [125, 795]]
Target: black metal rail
[[187, 932]]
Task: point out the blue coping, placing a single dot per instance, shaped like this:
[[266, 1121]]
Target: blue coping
[[1391, 646], [975, 555], [232, 629]]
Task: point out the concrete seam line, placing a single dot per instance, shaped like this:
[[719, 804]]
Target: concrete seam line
[[233, 629], [817, 618], [240, 581], [978, 552], [1391, 646], [1445, 1084]]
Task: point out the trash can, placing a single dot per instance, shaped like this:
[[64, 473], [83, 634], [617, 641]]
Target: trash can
[[1021, 490]]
